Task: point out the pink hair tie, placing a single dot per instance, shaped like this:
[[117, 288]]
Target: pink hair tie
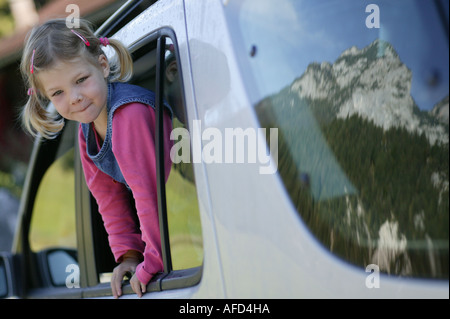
[[32, 62], [30, 91], [104, 41], [81, 37]]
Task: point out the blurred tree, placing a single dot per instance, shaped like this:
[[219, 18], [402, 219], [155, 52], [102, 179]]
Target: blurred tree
[[6, 19]]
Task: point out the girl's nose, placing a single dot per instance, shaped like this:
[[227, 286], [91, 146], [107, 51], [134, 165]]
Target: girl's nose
[[75, 97]]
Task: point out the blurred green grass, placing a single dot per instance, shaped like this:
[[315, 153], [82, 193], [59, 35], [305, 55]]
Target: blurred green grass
[[53, 219], [185, 232]]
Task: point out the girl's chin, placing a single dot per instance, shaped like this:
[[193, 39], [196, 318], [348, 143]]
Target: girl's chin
[[85, 120], [86, 117]]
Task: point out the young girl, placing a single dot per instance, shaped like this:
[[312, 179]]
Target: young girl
[[116, 136]]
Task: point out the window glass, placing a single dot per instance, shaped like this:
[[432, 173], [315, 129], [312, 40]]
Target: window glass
[[53, 219], [182, 205], [3, 280], [185, 232], [359, 93]]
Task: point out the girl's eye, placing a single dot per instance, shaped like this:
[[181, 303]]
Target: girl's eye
[[82, 80], [57, 93]]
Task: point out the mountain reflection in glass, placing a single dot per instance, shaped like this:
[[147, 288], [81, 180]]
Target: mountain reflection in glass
[[363, 137]]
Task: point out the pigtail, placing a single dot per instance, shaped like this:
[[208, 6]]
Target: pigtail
[[123, 70], [34, 116], [121, 65], [37, 120]]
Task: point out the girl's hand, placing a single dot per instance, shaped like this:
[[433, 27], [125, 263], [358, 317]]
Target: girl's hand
[[138, 287], [128, 265]]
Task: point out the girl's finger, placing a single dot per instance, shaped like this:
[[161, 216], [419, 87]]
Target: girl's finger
[[116, 284], [137, 289], [114, 288]]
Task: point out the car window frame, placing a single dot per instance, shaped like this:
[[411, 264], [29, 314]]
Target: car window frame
[[169, 279]]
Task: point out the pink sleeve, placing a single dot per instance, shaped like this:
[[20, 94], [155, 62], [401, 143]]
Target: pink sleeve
[[133, 141], [114, 206]]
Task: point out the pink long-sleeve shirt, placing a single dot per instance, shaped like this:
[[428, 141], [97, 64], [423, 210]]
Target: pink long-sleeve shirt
[[133, 145]]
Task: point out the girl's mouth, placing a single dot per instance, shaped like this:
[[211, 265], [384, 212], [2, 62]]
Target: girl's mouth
[[84, 108]]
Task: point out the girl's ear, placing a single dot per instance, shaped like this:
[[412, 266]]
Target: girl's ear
[[104, 65]]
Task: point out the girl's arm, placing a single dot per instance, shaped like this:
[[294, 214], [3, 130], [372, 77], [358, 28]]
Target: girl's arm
[[133, 141], [114, 206]]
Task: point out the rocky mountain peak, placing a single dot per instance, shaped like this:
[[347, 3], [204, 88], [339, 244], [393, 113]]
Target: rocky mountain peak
[[373, 83]]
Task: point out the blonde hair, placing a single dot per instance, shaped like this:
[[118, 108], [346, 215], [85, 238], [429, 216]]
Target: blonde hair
[[51, 42]]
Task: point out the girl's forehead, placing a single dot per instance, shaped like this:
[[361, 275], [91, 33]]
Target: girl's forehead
[[66, 69], [65, 65]]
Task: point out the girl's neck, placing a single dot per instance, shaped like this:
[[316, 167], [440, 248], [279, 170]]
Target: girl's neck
[[101, 124]]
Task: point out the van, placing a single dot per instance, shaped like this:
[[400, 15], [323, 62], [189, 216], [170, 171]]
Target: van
[[310, 157]]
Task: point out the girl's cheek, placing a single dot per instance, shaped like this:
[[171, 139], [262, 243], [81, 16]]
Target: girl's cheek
[[60, 107], [60, 110]]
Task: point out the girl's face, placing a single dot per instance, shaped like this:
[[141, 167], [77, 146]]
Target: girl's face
[[77, 89]]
